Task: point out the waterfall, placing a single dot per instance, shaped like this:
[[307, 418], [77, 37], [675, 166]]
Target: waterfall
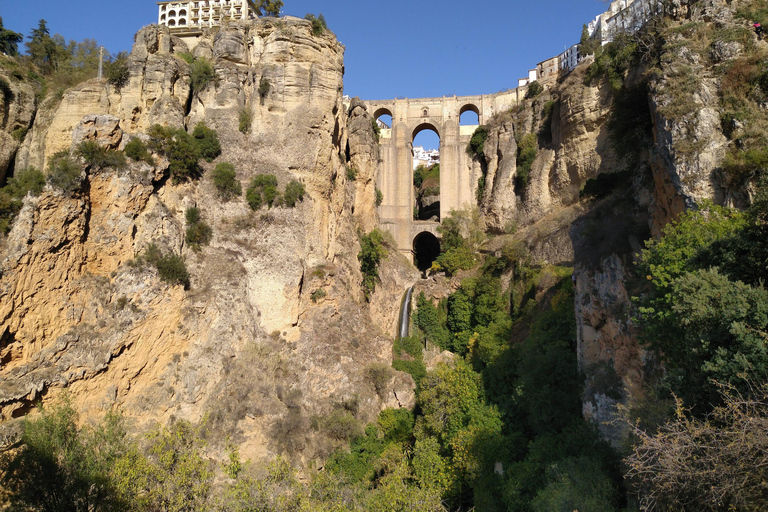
[[405, 314]]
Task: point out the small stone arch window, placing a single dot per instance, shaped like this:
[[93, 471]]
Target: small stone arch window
[[425, 113]]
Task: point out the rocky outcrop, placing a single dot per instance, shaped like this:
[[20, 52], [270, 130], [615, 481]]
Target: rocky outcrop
[[17, 111], [273, 328]]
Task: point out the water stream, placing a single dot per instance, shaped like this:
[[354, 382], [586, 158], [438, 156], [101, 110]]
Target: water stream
[[405, 314]]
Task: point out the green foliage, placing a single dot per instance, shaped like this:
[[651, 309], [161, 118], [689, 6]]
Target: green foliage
[[263, 189], [317, 295], [613, 60], [318, 23], [587, 45], [19, 133], [294, 192], [380, 375], [264, 87], [225, 181], [137, 150], [379, 197], [99, 157], [376, 130], [702, 319], [409, 358], [340, 425], [179, 148], [351, 173], [207, 141], [198, 232], [201, 75], [64, 173], [25, 181], [245, 119], [9, 40], [48, 53], [476, 144], [62, 467], [172, 269], [527, 149], [268, 8], [116, 70], [372, 250], [534, 89], [431, 320]]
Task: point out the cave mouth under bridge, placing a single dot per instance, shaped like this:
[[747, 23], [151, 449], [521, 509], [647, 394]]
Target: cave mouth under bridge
[[458, 174]]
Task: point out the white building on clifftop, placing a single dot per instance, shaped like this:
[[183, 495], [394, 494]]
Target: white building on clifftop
[[190, 18]]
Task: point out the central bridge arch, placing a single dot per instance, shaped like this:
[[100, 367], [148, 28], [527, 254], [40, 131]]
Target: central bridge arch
[[458, 175]]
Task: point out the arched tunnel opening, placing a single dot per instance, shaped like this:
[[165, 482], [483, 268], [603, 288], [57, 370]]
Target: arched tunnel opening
[[426, 249]]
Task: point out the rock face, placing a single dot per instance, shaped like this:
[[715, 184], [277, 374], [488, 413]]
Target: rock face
[[274, 328], [17, 110]]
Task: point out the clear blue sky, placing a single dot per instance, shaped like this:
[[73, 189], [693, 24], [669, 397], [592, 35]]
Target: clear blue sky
[[393, 48]]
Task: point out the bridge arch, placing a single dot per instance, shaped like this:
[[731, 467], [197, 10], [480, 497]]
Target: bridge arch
[[425, 126], [382, 111], [426, 249]]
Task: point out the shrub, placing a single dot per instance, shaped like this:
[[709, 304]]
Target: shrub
[[372, 250], [225, 181], [11, 196], [64, 173], [117, 71], [19, 133], [379, 197], [137, 150], [192, 215], [534, 89], [477, 142], [264, 87], [179, 148], [527, 149], [99, 157], [318, 23], [172, 269], [317, 295], [201, 75], [380, 376], [207, 141], [246, 118], [351, 173], [199, 234], [294, 192], [376, 130], [263, 189]]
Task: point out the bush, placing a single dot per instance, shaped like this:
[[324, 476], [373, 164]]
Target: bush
[[137, 150], [534, 89], [201, 75], [179, 148], [198, 233], [172, 269], [117, 72], [317, 295], [372, 250], [318, 23], [527, 149], [245, 120], [12, 195], [225, 181], [477, 143], [263, 189], [64, 173], [207, 141], [264, 87], [380, 375], [351, 173], [294, 192], [99, 157], [379, 197]]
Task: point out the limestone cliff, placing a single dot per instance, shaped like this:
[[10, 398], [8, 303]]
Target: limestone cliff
[[252, 343], [585, 205]]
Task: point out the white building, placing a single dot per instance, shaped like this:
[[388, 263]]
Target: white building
[[425, 157], [193, 17], [622, 16]]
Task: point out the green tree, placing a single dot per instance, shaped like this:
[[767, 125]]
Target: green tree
[[64, 173], [9, 40], [318, 23], [225, 180], [61, 467], [294, 192], [268, 8], [99, 157], [201, 74], [262, 189], [372, 250], [117, 71], [207, 141], [181, 150], [46, 52]]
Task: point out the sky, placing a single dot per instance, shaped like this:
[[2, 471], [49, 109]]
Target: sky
[[394, 48]]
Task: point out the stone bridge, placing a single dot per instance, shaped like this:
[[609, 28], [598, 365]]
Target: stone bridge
[[458, 179]]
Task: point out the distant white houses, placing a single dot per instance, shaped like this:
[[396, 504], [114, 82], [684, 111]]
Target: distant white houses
[[425, 157]]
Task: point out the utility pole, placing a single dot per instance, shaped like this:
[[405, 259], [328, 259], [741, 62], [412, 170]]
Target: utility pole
[[101, 62]]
